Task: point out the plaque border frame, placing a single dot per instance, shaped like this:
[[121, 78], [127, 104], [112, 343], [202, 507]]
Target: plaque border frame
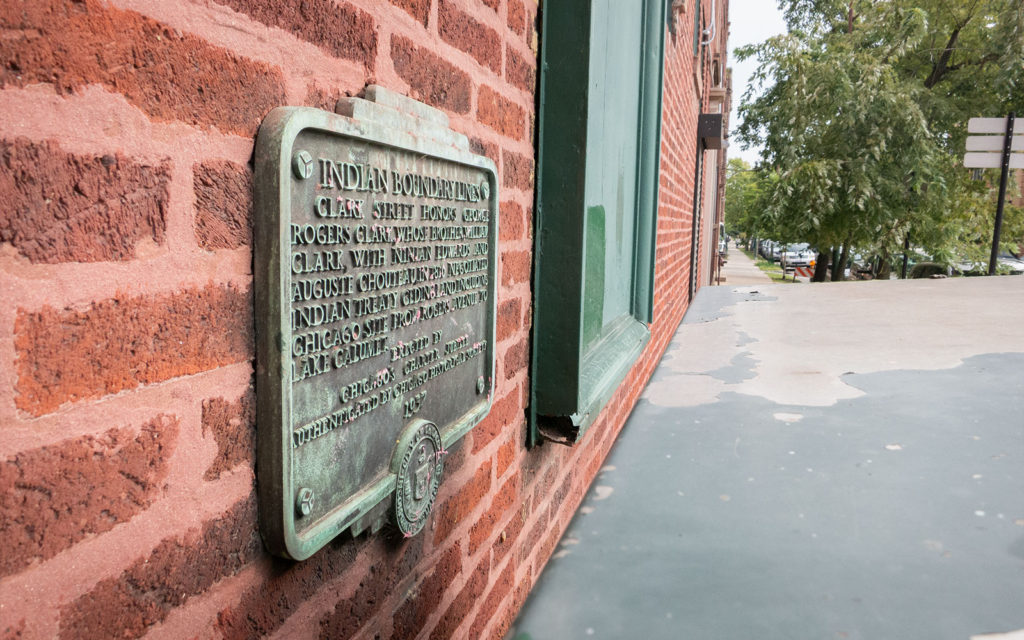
[[271, 276]]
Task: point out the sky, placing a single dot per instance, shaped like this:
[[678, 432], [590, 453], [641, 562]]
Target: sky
[[751, 21]]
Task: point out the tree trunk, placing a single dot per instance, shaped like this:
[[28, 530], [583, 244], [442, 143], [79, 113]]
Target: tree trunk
[[821, 268], [941, 65], [884, 266], [906, 256], [835, 261], [844, 259]]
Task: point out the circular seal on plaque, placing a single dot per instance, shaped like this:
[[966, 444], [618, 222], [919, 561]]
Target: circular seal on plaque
[[485, 189], [418, 463]]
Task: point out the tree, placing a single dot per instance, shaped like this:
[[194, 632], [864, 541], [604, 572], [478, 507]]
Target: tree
[[742, 192], [863, 115]]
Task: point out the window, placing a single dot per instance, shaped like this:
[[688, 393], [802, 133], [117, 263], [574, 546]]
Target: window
[[597, 192]]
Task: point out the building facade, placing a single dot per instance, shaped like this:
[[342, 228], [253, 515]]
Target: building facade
[[128, 426]]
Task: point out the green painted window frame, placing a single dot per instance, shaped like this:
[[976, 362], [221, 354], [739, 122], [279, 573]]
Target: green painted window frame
[[571, 383], [697, 37]]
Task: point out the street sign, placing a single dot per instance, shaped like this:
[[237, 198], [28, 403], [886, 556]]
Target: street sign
[[994, 143], [994, 152], [991, 151], [979, 160], [986, 125]]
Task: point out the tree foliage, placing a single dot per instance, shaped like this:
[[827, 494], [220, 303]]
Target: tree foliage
[[742, 193], [861, 109]]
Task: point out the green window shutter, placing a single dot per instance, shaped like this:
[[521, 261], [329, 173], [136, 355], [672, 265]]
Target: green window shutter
[[696, 28], [599, 145]]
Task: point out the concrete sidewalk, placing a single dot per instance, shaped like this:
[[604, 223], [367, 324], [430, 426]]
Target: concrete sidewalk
[[825, 461], [740, 270]]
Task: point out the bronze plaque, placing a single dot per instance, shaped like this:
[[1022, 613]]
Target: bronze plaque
[[375, 265]]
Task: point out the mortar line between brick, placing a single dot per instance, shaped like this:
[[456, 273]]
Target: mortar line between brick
[[76, 570], [131, 406]]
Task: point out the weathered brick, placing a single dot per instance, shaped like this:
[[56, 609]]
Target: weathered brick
[[534, 536], [506, 541], [14, 630], [512, 221], [507, 615], [63, 207], [321, 97], [517, 358], [462, 503], [595, 464], [347, 618], [518, 600], [426, 597], [519, 71], [233, 425], [457, 454], [577, 493], [338, 28], [55, 496], [493, 4], [468, 34], [506, 456], [508, 320], [223, 193], [500, 504], [264, 607], [518, 172], [504, 413], [502, 587], [515, 267], [516, 17], [432, 79], [488, 149], [549, 543], [547, 480], [169, 75], [499, 113], [558, 497], [463, 602], [418, 9], [178, 568], [120, 343]]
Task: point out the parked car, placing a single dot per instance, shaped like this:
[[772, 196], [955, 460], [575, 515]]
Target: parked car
[[1006, 264], [771, 250], [860, 267], [929, 270], [1014, 265], [798, 255]]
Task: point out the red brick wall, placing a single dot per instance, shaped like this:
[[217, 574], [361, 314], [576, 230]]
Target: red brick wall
[[126, 343]]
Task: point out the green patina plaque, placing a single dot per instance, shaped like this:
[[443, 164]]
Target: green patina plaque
[[375, 263]]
